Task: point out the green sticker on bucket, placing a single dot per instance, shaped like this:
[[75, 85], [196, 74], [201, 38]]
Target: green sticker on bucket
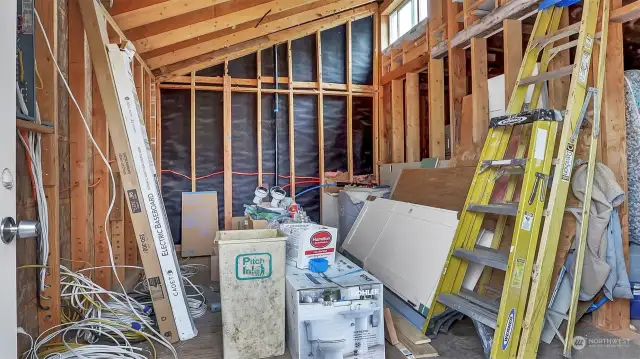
[[253, 266]]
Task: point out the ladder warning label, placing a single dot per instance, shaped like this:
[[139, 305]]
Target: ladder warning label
[[518, 273], [567, 164], [155, 288], [527, 221]]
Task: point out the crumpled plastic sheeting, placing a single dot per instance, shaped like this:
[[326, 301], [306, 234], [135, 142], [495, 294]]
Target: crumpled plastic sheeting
[[305, 112], [244, 149], [210, 146], [176, 154], [632, 104]]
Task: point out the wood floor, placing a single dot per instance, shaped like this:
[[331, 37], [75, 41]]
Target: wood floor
[[460, 343]]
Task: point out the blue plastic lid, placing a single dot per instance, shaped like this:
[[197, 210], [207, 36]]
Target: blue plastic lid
[[318, 265]]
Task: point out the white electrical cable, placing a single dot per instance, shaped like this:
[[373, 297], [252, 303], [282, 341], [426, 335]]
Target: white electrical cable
[[157, 336]]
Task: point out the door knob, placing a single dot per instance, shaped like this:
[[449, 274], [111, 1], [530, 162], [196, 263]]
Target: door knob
[[26, 229]]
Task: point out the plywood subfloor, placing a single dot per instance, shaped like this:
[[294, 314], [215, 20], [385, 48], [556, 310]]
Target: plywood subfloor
[[461, 342]]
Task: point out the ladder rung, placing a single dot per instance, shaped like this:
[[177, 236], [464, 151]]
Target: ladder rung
[[487, 303], [560, 34], [468, 308], [568, 45], [524, 117], [545, 76], [520, 162], [509, 209], [483, 255]]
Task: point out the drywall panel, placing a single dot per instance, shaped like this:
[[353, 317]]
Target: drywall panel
[[244, 149], [335, 133], [210, 146], [176, 154], [362, 51], [404, 245], [334, 54]]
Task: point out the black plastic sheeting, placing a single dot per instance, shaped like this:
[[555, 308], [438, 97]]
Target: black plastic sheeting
[[362, 135], [213, 71], [335, 133], [244, 149], [334, 54], [176, 154], [244, 67], [268, 141], [268, 65], [210, 146], [362, 51], [305, 112], [303, 51]]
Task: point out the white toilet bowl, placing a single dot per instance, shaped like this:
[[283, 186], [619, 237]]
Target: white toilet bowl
[[328, 337]]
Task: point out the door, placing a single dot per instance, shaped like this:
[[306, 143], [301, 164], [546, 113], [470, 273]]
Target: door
[[8, 336]]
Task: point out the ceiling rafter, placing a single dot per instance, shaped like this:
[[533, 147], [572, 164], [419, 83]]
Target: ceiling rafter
[[122, 6], [247, 31], [160, 11], [166, 37], [218, 56]]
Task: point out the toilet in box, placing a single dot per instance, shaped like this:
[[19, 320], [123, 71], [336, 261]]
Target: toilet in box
[[334, 315], [306, 241]]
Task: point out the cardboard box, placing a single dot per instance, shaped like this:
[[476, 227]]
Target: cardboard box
[[238, 223], [144, 198], [309, 240], [256, 223], [199, 223], [343, 316]]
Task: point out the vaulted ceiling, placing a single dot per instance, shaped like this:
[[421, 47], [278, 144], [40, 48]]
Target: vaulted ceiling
[[178, 36]]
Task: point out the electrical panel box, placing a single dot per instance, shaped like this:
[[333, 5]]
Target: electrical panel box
[[25, 59]]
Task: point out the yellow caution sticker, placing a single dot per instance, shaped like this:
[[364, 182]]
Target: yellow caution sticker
[[518, 273]]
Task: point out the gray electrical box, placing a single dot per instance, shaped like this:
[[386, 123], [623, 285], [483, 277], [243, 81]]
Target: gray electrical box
[[25, 59]]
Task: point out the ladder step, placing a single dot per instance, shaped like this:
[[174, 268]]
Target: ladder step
[[469, 308], [508, 209], [546, 76], [560, 34], [524, 117], [490, 304], [483, 255]]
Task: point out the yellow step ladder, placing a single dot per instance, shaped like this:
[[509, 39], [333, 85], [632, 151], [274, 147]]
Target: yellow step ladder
[[537, 140]]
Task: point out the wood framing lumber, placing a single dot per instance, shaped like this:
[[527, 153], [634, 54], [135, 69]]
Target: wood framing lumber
[[397, 121], [388, 6], [457, 62], [224, 38], [512, 54], [160, 11], [436, 109], [414, 65], [627, 13], [320, 113], [412, 111], [47, 95], [114, 26], [165, 33], [389, 328], [416, 351], [80, 83], [292, 142], [33, 127], [408, 330], [228, 166], [615, 315], [376, 99], [384, 96], [479, 89], [488, 25], [215, 57], [192, 128], [259, 114]]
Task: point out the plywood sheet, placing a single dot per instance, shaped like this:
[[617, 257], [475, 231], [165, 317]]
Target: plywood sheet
[[444, 188]]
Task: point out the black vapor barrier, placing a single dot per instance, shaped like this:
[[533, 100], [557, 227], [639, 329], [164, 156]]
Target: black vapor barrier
[[362, 135], [303, 51], [334, 54], [210, 146], [305, 112], [268, 65], [335, 133], [176, 154], [244, 149], [269, 140], [245, 67], [362, 51]]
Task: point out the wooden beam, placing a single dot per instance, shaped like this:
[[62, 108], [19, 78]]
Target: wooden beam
[[320, 114], [487, 26], [414, 65], [397, 121], [193, 130], [159, 133], [479, 90], [247, 47], [412, 110], [349, 106], [386, 121], [80, 84], [457, 62], [627, 13], [388, 6], [120, 7], [114, 26], [47, 95], [165, 33], [512, 54], [376, 99], [259, 114], [160, 11], [615, 315], [302, 14], [33, 127], [436, 109], [292, 152], [228, 168]]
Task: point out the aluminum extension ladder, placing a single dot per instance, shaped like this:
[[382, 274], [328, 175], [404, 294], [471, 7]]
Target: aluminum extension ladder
[[537, 140]]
